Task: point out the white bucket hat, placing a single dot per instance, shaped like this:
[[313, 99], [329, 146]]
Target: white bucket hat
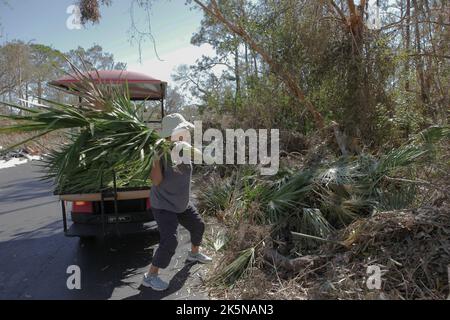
[[173, 123]]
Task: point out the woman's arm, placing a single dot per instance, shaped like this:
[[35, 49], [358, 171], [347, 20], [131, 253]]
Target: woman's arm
[[156, 173]]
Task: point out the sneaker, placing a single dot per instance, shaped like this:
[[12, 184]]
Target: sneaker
[[198, 257], [154, 282]]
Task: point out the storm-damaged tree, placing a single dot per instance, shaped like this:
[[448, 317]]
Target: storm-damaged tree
[[328, 60], [235, 27]]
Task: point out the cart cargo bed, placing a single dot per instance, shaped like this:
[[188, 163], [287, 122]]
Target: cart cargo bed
[[122, 194]]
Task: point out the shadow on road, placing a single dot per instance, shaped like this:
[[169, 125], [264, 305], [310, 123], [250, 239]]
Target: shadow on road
[[35, 254], [175, 284], [28, 207], [25, 189], [112, 268], [34, 265]]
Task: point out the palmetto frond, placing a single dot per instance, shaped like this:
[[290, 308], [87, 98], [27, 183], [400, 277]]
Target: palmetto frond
[[110, 139], [233, 271]]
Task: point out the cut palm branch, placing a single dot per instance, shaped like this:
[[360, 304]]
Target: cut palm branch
[[288, 196], [106, 138]]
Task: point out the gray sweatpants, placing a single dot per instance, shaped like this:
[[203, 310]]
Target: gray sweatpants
[[167, 224]]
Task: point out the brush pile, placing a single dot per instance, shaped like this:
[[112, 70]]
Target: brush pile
[[410, 247], [329, 222]]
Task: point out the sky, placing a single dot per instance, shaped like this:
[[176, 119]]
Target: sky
[[172, 23]]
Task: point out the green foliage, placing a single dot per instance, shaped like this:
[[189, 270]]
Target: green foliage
[[217, 197], [375, 85], [110, 141], [233, 271], [288, 196], [314, 202]]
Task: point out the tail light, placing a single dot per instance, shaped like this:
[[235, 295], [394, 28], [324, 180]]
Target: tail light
[[147, 205], [82, 207]]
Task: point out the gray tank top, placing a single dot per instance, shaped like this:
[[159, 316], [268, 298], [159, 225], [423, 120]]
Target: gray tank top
[[173, 192]]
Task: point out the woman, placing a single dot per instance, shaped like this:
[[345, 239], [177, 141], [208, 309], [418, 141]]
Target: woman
[[169, 198]]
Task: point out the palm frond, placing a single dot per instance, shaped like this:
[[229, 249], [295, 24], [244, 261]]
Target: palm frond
[[232, 272], [289, 195], [110, 138]]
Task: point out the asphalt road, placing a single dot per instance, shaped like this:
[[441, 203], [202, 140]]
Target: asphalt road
[[35, 254]]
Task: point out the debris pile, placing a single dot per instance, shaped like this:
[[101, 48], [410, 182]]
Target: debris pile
[[410, 248]]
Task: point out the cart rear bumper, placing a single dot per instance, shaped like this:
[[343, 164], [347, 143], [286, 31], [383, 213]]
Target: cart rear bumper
[[128, 217], [96, 230]]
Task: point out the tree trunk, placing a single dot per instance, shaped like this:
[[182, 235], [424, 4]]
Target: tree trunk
[[255, 63], [39, 84], [419, 58], [237, 98], [407, 41], [358, 118]]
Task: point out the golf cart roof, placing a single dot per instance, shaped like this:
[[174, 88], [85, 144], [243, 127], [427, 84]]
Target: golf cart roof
[[140, 86]]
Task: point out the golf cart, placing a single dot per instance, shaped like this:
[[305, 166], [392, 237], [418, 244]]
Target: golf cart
[[112, 210]]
